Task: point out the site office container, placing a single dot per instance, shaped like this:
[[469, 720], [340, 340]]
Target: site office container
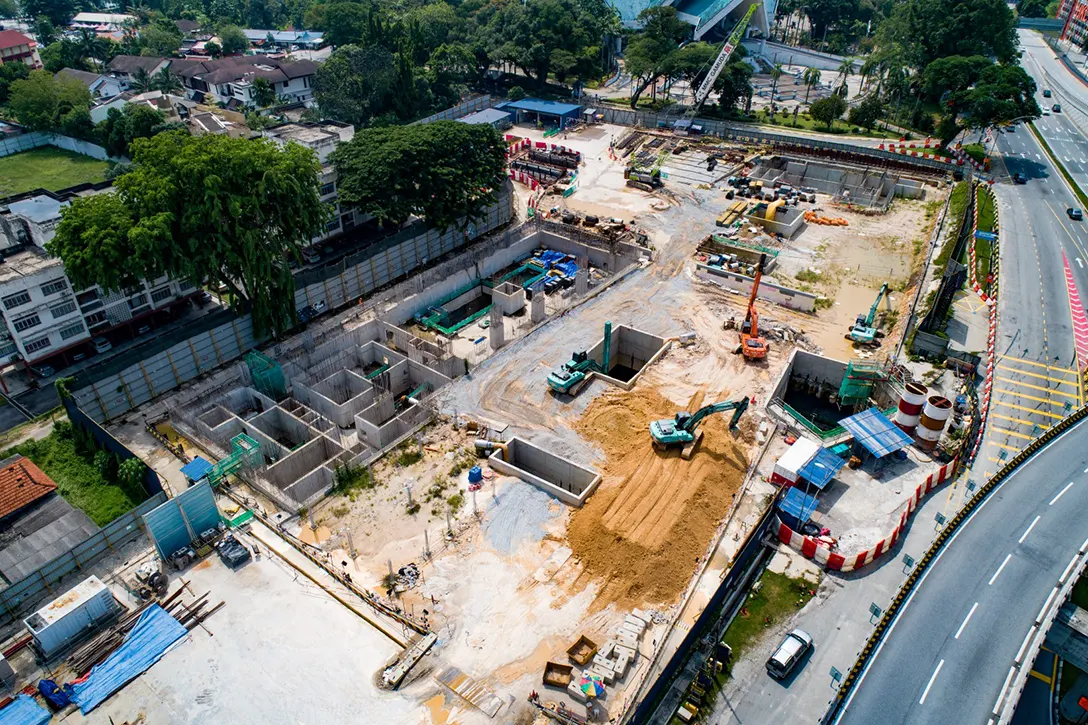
[[72, 617]]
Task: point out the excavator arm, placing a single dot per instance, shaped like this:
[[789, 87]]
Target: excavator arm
[[739, 406]]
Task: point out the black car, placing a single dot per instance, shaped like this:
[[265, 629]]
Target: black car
[[232, 552], [1057, 108], [1075, 214], [1046, 93], [1019, 178]]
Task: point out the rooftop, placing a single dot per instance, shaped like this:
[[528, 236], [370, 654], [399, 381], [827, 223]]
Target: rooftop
[[25, 262], [539, 105], [13, 39], [82, 76], [488, 115], [21, 483]]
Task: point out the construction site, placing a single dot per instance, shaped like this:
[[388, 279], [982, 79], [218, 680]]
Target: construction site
[[517, 479]]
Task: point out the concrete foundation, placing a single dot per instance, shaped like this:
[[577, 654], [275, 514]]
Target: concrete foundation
[[495, 331], [570, 483], [536, 309], [785, 296], [787, 220], [847, 184], [508, 297], [631, 351]]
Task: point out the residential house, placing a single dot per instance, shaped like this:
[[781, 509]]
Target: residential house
[[124, 67], [322, 138], [175, 109], [229, 81], [46, 319], [36, 524], [284, 39], [17, 48], [100, 86]]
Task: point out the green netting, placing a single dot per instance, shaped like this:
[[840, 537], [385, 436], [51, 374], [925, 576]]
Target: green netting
[[244, 451], [823, 435], [858, 383], [268, 377], [448, 322], [773, 253]]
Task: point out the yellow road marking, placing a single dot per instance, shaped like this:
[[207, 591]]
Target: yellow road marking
[[1002, 445], [1041, 676], [1035, 375], [1036, 398], [995, 460], [1030, 410], [1071, 371], [1036, 387], [1042, 426], [1013, 433]]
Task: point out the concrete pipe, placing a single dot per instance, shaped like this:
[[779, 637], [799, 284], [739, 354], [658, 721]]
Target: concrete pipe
[[934, 417], [910, 407], [484, 445]]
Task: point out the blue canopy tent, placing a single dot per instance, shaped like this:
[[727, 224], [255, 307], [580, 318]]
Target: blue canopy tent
[[796, 508], [876, 433], [821, 468], [195, 470]]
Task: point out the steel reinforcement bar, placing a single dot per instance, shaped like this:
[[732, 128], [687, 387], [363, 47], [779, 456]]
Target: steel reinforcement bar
[[850, 681]]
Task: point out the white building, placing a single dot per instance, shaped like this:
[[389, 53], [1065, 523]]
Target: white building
[[229, 81], [101, 22], [322, 138], [43, 315]]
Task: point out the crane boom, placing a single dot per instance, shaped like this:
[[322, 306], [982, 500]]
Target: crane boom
[[723, 57]]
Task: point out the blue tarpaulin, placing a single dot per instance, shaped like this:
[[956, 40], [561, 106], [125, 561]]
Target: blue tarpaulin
[[570, 269], [550, 257], [148, 641], [872, 429], [797, 508], [24, 710], [196, 470], [821, 468]]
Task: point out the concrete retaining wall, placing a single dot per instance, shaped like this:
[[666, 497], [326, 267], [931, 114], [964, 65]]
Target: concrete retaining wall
[[785, 296], [631, 348], [570, 483], [508, 297]]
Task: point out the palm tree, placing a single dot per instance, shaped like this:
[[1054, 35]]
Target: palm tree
[[166, 81], [845, 69], [811, 77], [869, 68], [141, 81], [776, 73], [90, 48]]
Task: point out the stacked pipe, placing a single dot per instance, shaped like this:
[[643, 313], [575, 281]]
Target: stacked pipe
[[931, 424], [910, 407]]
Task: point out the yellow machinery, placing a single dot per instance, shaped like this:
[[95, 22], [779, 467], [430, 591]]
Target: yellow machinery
[[772, 209]]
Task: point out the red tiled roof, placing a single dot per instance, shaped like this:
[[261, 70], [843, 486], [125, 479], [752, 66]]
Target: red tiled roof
[[22, 483], [13, 38]]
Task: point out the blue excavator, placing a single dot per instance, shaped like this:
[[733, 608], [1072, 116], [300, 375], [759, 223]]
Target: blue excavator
[[573, 375], [863, 332], [683, 430]]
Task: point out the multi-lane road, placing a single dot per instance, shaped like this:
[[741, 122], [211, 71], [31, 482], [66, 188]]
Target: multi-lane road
[[948, 655]]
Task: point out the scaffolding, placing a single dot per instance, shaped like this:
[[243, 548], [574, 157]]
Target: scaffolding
[[861, 376], [244, 451], [268, 377]]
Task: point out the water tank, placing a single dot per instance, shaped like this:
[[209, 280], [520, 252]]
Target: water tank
[[934, 417], [910, 407]]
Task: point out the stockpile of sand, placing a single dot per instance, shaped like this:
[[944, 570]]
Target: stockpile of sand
[[644, 530]]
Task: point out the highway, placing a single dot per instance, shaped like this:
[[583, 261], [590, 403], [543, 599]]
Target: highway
[[947, 656]]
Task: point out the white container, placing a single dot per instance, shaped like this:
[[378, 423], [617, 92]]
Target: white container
[[72, 616], [787, 469]]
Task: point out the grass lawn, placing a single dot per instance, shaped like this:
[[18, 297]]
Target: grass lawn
[[78, 479], [47, 168], [986, 218], [778, 598]]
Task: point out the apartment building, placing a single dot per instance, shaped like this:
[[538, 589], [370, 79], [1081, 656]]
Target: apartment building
[[1074, 15], [45, 319], [17, 48], [322, 138]]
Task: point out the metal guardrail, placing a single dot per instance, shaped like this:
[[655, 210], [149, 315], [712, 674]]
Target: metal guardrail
[[850, 681]]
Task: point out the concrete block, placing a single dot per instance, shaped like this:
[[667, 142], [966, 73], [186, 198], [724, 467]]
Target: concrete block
[[633, 631], [624, 651], [607, 648], [628, 640], [635, 622], [644, 616], [496, 331], [620, 665], [581, 281], [576, 692], [536, 309]]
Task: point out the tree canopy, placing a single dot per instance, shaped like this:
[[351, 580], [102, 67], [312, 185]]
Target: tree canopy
[[42, 102], [930, 29], [828, 110], [445, 172], [122, 127], [203, 209]]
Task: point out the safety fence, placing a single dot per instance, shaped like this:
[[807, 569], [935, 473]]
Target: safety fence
[[465, 107], [20, 598], [927, 559], [27, 141], [704, 626]]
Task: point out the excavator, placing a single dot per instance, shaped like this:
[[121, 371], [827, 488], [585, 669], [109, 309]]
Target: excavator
[[752, 346], [683, 429], [863, 331], [573, 375]]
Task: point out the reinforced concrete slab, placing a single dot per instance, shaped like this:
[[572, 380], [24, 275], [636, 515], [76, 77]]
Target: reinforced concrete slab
[[570, 483]]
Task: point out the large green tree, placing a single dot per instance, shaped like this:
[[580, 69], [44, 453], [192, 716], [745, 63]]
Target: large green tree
[[356, 84], [232, 40], [953, 74], [207, 209], [930, 29], [122, 127], [59, 12], [651, 53], [828, 110], [445, 172], [40, 101], [1002, 93]]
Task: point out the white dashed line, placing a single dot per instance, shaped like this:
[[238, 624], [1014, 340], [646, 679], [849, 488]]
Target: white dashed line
[[931, 679], [998, 572], [966, 620], [1060, 493], [1028, 531]]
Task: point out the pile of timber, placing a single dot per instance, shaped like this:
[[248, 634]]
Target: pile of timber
[[190, 614]]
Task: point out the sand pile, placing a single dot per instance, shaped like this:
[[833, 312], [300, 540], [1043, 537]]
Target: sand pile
[[644, 530]]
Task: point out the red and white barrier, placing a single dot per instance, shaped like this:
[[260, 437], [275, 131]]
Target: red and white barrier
[[819, 552]]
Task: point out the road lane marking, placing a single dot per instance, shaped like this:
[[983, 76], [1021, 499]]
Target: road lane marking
[[1070, 371], [999, 569], [966, 620], [1040, 676], [1051, 391], [1067, 487], [1028, 531], [1028, 410], [1012, 433], [1036, 398], [931, 679], [1021, 421], [1024, 644], [1018, 371], [1002, 445]]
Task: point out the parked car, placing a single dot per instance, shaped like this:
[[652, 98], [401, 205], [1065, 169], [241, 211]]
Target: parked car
[[232, 552], [1057, 108], [1019, 178], [1046, 93], [143, 329], [43, 371], [1075, 214], [101, 344], [796, 644], [311, 255]]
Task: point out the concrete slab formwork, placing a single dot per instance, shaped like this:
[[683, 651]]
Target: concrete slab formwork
[[570, 483]]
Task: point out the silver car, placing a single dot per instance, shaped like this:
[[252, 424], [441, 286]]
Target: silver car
[[789, 653]]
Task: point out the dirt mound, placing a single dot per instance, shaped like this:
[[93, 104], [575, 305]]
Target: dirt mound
[[644, 530]]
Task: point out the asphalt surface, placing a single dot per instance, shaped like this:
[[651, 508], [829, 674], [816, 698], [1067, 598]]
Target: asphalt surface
[[957, 634]]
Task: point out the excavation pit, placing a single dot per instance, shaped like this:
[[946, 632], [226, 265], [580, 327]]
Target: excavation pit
[[570, 483], [458, 310], [630, 352]]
